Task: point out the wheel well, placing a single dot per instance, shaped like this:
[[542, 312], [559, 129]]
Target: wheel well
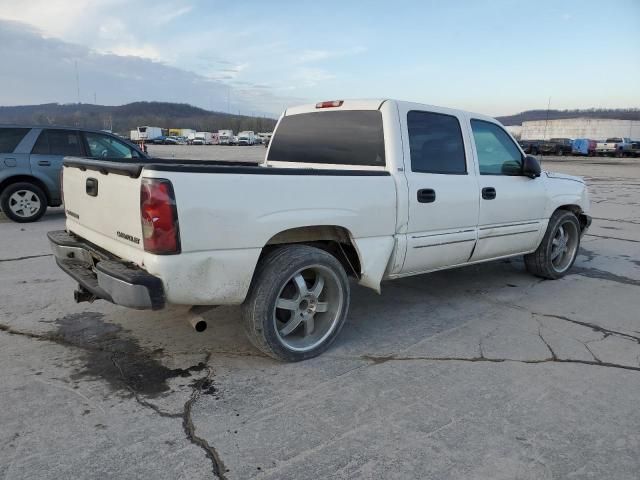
[[333, 239], [577, 211], [25, 178]]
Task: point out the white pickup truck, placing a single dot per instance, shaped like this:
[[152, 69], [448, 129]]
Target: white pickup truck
[[617, 146], [375, 190]]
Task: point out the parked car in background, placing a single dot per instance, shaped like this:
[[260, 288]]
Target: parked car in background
[[370, 189], [634, 149], [530, 146], [584, 146], [170, 140], [158, 140], [614, 146], [31, 162], [555, 146]]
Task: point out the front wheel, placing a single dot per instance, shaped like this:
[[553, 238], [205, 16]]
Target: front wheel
[[559, 247], [23, 202], [297, 303]]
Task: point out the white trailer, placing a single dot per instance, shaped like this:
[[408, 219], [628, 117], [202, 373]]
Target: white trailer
[[225, 137], [247, 137], [203, 138], [148, 133]]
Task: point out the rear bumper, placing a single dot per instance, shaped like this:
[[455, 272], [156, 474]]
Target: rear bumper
[[105, 276]]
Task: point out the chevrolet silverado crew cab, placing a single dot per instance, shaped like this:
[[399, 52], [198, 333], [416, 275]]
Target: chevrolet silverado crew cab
[[374, 190]]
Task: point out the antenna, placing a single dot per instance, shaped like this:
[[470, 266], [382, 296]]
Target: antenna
[[544, 137], [77, 80]]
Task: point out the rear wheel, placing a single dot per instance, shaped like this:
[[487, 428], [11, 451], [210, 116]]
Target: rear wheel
[[23, 202], [559, 247], [297, 304]]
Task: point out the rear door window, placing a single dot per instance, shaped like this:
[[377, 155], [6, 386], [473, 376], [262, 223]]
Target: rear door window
[[435, 142], [10, 138], [350, 137], [58, 142], [105, 146]]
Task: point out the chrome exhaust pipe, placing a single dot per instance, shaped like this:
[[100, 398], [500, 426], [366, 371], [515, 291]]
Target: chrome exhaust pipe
[[196, 319], [198, 323]]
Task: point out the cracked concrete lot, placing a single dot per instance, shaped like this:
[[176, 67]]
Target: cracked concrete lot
[[482, 372]]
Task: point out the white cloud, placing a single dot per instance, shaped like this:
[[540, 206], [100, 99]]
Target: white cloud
[[166, 15], [115, 79], [308, 56], [310, 77]]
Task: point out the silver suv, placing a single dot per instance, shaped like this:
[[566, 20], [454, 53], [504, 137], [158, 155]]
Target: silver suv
[[31, 161]]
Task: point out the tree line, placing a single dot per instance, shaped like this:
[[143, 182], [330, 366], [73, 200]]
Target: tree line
[[124, 118]]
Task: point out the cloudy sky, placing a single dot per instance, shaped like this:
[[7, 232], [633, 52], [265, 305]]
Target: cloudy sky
[[493, 56]]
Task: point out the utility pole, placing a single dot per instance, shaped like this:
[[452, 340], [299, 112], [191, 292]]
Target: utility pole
[[77, 81], [95, 101], [544, 137]]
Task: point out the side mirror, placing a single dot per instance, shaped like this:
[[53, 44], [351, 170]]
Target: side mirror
[[531, 167]]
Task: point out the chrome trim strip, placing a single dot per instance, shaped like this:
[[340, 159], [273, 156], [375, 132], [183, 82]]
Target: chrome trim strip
[[446, 233], [446, 243], [507, 234], [510, 225]]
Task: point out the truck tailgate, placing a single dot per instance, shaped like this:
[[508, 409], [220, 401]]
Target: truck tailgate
[[101, 201]]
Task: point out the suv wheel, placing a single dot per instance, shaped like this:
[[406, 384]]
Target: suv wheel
[[297, 304], [23, 202], [559, 247]]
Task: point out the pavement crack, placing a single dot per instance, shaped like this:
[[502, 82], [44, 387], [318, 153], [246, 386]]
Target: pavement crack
[[137, 396], [17, 259], [595, 357], [597, 328], [392, 358], [553, 354], [612, 238], [217, 465]]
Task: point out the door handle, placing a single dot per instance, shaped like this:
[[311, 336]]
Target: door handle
[[92, 187], [44, 163], [426, 195], [488, 193]]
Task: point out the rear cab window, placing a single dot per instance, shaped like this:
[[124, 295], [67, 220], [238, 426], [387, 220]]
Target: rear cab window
[[10, 138], [349, 137]]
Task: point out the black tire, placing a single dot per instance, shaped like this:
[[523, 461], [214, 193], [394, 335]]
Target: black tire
[[540, 263], [31, 189], [273, 275], [560, 153]]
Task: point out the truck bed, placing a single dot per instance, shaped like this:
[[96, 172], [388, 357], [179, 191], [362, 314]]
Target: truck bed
[[134, 169]]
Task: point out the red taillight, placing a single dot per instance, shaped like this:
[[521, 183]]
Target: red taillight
[[159, 217], [333, 103]]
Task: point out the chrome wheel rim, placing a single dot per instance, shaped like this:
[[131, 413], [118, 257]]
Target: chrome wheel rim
[[24, 203], [308, 308], [564, 246]]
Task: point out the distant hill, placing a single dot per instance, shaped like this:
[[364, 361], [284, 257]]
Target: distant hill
[[616, 113], [124, 118]]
